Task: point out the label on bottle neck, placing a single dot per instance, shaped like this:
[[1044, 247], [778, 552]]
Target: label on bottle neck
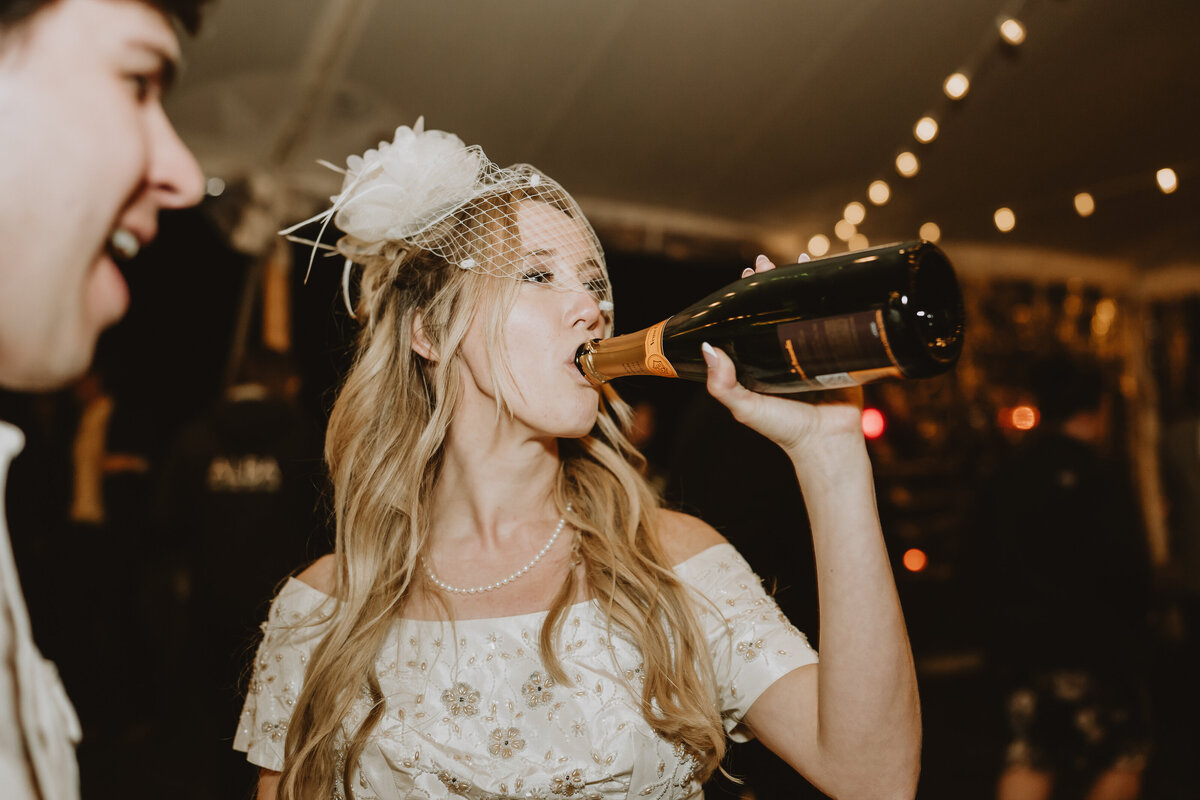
[[656, 362], [841, 345]]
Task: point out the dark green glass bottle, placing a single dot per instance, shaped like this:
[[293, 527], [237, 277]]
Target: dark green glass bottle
[[887, 312]]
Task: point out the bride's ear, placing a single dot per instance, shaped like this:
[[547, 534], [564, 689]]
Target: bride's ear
[[420, 342]]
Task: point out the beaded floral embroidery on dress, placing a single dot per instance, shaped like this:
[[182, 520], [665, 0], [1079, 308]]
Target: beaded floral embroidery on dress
[[471, 712]]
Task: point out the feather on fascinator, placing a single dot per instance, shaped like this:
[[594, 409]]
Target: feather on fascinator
[[429, 190]]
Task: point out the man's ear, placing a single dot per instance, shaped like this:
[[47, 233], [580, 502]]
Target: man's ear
[[420, 342]]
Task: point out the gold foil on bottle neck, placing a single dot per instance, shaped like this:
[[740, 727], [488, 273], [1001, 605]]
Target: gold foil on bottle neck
[[638, 353]]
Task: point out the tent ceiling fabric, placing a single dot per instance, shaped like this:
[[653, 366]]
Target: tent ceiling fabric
[[760, 114]]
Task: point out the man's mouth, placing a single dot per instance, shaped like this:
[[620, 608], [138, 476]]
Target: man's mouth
[[123, 244]]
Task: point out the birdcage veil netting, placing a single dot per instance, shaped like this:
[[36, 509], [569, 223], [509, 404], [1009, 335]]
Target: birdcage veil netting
[[426, 189]]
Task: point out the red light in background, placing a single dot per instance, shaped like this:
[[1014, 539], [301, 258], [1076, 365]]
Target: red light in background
[[915, 559], [873, 423]]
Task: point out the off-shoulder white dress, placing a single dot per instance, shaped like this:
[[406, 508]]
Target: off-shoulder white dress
[[471, 711]]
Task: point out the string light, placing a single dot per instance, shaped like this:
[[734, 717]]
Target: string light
[[1085, 204], [907, 164], [1168, 181], [956, 86], [1012, 31], [214, 187], [879, 192], [926, 130], [855, 213], [1005, 219]]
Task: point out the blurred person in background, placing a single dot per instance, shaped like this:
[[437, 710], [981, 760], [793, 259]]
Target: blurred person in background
[[88, 159], [1180, 583], [1065, 582], [237, 506]]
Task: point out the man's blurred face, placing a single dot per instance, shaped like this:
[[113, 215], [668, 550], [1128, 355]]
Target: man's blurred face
[[86, 153]]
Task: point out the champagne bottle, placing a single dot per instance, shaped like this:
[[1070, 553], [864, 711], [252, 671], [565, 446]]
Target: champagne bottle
[[887, 312]]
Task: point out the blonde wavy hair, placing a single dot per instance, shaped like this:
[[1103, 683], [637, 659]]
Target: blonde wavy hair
[[384, 449]]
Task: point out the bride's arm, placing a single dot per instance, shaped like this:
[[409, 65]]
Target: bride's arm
[[268, 784], [852, 723]]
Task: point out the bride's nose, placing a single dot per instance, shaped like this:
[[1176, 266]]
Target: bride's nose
[[584, 309]]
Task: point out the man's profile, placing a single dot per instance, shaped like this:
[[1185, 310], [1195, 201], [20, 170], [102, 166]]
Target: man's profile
[[87, 160]]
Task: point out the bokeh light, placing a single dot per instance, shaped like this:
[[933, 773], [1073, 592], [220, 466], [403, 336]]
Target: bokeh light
[[1005, 219], [956, 86], [855, 213], [907, 164], [1012, 31], [1168, 181], [873, 423], [914, 559], [1085, 204], [879, 192], [1023, 417], [926, 130]]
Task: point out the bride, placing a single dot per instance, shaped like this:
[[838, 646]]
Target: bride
[[509, 611]]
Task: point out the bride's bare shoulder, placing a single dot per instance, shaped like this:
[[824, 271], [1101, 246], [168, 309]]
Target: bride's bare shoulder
[[683, 536], [321, 574]]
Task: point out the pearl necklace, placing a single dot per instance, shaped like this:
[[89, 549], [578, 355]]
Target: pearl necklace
[[479, 589]]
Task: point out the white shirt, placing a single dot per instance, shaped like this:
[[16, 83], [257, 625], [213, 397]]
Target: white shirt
[[38, 726]]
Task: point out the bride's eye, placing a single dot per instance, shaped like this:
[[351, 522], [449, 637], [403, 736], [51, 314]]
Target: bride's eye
[[538, 276]]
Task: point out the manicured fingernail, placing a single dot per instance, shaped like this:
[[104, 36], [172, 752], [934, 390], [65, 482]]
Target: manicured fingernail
[[747, 272], [803, 257], [710, 355], [761, 261]]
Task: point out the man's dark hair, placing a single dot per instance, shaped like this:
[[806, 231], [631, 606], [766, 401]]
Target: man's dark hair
[[187, 12]]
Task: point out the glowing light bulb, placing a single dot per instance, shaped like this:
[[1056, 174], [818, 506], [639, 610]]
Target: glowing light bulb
[[1168, 181], [1005, 219], [818, 245], [914, 559], [907, 164], [855, 213], [1012, 31], [1085, 204], [956, 86], [1024, 418], [858, 242], [930, 232], [844, 229], [879, 192], [926, 130], [214, 187]]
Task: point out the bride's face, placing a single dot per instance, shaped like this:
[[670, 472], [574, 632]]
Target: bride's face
[[556, 309]]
